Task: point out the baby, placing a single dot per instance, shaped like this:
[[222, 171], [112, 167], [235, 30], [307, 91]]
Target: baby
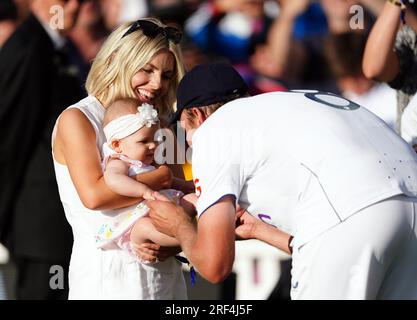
[[130, 132]]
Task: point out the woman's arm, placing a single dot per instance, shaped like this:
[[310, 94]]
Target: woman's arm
[[374, 6], [380, 61], [118, 180], [75, 147]]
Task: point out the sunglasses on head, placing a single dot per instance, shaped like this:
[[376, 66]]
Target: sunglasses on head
[[151, 30]]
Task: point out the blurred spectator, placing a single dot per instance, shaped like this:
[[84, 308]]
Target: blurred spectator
[[87, 36], [282, 289], [4, 260], [36, 84], [110, 10], [293, 51], [132, 10], [273, 58], [192, 55], [116, 12], [8, 20], [344, 53], [390, 55], [294, 48], [340, 14], [229, 28], [3, 294], [172, 12], [22, 9], [8, 24], [175, 13], [232, 30]]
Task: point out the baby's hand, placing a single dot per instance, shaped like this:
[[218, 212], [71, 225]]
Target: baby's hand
[[149, 195]]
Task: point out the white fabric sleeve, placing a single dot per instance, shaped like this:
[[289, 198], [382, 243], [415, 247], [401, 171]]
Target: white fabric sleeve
[[216, 172]]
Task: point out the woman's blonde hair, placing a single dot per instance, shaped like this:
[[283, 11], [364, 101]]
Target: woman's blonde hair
[[120, 58]]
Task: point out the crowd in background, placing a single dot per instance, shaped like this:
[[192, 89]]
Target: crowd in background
[[276, 45]]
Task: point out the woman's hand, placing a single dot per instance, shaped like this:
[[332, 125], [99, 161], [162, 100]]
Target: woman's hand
[[153, 252]]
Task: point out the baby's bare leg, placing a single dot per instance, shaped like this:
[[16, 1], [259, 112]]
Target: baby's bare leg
[[144, 231]]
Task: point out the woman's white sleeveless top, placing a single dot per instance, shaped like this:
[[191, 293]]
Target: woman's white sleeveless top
[[108, 274]]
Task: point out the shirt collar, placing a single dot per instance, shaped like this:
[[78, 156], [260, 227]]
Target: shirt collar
[[57, 39]]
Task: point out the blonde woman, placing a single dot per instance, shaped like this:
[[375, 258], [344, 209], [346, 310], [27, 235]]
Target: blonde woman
[[139, 60]]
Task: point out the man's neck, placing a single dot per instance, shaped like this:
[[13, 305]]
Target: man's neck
[[57, 39], [44, 18], [7, 28]]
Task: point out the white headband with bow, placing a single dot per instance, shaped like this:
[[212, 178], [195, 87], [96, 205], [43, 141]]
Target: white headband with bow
[[126, 125]]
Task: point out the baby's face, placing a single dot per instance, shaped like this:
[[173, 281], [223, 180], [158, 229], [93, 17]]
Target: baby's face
[[140, 145]]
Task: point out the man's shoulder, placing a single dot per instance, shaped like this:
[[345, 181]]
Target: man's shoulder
[[28, 37], [28, 46]]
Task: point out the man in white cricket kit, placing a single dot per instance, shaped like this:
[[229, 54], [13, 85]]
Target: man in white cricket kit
[[326, 178]]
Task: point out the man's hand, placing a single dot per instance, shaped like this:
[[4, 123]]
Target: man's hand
[[166, 216]]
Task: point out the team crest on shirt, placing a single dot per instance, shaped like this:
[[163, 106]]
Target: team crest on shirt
[[197, 187]]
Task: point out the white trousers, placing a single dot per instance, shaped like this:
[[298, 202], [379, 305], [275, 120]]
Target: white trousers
[[371, 255]]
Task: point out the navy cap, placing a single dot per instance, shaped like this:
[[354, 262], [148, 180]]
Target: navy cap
[[207, 84]]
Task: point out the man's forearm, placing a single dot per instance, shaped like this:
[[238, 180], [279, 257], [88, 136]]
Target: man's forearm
[[208, 244], [186, 234], [273, 236], [211, 250]]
